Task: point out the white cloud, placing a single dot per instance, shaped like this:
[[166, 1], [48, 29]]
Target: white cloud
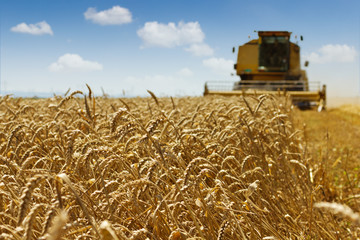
[[200, 49], [74, 63], [171, 35], [219, 65], [333, 53], [185, 72], [113, 16], [39, 28]]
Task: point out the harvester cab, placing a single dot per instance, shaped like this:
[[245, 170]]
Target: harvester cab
[[271, 64]]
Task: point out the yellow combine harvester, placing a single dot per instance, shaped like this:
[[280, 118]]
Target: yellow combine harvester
[[271, 64]]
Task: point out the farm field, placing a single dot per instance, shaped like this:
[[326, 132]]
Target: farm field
[[80, 167], [333, 138]]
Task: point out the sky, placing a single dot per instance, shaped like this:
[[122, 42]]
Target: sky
[[172, 48]]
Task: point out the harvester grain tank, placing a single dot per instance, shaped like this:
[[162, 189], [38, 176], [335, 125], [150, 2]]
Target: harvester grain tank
[[272, 64]]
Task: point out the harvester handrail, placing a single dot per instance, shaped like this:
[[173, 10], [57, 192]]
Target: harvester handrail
[[298, 90], [228, 85]]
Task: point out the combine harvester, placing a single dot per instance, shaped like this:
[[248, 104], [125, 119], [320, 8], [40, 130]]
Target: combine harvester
[[271, 65]]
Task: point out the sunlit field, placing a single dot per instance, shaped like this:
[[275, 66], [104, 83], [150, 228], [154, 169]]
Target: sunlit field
[[85, 167]]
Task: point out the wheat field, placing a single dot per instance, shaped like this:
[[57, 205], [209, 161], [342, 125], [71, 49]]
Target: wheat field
[[86, 167]]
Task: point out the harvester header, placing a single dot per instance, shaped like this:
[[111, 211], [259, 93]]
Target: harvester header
[[272, 63]]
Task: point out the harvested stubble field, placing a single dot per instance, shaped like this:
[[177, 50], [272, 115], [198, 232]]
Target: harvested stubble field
[[80, 167]]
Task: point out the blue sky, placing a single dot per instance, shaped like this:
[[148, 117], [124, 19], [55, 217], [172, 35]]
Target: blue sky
[[169, 47]]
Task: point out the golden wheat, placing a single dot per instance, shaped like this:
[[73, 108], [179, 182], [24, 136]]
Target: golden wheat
[[158, 168]]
